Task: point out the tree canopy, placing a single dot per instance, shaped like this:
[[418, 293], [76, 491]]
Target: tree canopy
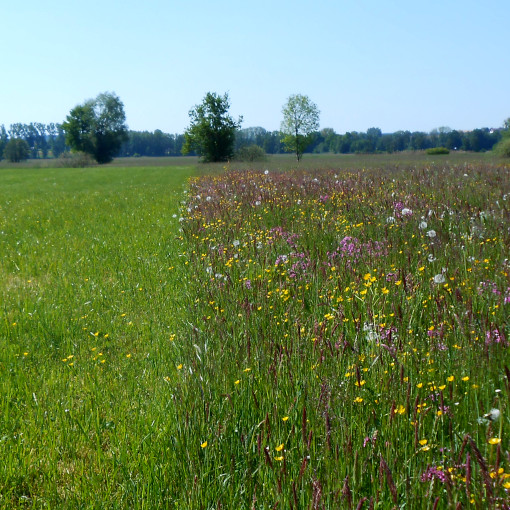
[[97, 127], [212, 131], [300, 122]]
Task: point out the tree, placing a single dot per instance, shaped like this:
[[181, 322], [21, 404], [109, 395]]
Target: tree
[[300, 122], [97, 127], [212, 131], [16, 150]]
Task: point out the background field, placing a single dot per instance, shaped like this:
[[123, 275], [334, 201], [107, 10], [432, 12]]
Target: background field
[[202, 337]]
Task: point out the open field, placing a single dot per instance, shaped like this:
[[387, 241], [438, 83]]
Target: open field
[[329, 337]]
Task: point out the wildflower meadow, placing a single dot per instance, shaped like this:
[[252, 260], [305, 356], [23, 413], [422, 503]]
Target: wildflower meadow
[[256, 338]]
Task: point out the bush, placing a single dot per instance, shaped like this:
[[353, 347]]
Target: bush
[[503, 147], [16, 150], [434, 151], [250, 153], [75, 160]]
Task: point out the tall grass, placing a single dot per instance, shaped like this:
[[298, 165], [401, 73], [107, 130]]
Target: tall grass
[[333, 338]]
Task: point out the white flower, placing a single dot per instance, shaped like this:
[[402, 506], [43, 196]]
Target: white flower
[[390, 219], [407, 212], [257, 203], [422, 225], [236, 243], [431, 234], [266, 172], [208, 199], [439, 278], [431, 258]]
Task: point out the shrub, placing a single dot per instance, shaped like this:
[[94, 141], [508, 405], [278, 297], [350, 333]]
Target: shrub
[[75, 160], [250, 153], [437, 150], [503, 147], [16, 150]]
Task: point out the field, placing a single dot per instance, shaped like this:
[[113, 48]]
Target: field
[[192, 336]]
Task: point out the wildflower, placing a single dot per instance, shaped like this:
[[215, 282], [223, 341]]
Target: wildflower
[[285, 418], [279, 459], [390, 219], [407, 212], [494, 440], [179, 367], [279, 448], [431, 234], [238, 381], [204, 444], [422, 225]]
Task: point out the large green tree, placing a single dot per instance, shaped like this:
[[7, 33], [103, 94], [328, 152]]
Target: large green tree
[[300, 123], [97, 127], [211, 133]]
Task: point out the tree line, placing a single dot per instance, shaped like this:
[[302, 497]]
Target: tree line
[[97, 127], [46, 141]]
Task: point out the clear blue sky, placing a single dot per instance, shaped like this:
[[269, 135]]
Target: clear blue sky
[[391, 64]]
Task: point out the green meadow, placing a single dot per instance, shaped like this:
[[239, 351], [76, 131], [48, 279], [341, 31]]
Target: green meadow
[[329, 335]]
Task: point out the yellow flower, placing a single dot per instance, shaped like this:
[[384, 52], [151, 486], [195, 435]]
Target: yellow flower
[[423, 442], [450, 379], [279, 458], [179, 367], [204, 444], [494, 440], [238, 381], [358, 400], [419, 385], [465, 379], [285, 418], [279, 448]]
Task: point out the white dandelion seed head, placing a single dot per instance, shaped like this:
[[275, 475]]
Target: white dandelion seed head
[[439, 278], [431, 234], [493, 415], [422, 225]]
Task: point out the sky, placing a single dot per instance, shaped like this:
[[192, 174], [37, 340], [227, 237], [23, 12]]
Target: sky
[[391, 64]]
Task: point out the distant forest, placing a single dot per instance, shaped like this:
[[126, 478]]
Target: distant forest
[[48, 140]]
